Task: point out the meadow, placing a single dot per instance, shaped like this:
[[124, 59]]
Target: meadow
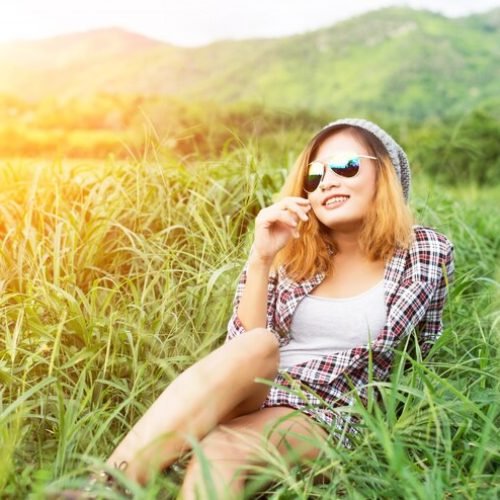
[[118, 274]]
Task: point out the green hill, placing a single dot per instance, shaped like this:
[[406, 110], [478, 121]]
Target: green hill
[[395, 60]]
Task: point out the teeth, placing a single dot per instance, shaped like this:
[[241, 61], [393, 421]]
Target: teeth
[[336, 199]]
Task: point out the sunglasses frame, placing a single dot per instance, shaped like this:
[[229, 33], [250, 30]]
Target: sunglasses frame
[[325, 164]]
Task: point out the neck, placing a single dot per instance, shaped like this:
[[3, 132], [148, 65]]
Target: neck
[[347, 244]]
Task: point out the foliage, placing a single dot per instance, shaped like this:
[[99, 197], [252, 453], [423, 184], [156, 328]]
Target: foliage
[[107, 125], [461, 148], [462, 151]]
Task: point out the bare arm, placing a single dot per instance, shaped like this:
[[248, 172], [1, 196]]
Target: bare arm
[[255, 293], [252, 309]]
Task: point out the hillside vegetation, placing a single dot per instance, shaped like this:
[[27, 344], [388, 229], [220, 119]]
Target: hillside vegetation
[[395, 60], [109, 92]]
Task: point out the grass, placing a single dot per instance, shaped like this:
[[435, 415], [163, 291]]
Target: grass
[[115, 277]]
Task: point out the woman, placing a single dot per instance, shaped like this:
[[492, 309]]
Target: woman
[[337, 274]]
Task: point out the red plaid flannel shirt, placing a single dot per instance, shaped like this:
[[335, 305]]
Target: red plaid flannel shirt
[[415, 289]]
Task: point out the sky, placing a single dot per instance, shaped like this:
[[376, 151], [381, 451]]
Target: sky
[[198, 22]]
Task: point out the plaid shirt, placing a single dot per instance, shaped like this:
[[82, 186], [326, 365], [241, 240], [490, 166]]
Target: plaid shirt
[[415, 290]]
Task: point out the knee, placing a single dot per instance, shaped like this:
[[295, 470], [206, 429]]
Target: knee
[[253, 354], [258, 353], [261, 344]]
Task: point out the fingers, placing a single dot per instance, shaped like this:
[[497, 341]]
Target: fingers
[[276, 223], [297, 206], [287, 217], [288, 212]]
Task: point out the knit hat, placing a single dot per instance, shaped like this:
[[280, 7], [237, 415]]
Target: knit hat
[[395, 151]]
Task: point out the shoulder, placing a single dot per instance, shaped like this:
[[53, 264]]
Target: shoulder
[[428, 253], [428, 241]]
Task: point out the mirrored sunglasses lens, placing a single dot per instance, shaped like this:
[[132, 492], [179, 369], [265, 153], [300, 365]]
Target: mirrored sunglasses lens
[[312, 182], [314, 176], [346, 168]]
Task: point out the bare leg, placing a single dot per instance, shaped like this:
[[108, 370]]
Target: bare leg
[[232, 446], [219, 385]]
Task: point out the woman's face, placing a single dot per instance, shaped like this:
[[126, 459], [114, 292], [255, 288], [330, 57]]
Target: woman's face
[[356, 193]]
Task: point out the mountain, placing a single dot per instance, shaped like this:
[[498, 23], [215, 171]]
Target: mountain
[[64, 50], [392, 60]]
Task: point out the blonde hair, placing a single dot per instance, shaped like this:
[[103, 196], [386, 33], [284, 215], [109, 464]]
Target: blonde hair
[[387, 226]]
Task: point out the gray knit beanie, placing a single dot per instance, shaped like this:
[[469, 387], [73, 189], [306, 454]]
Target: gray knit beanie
[[396, 153]]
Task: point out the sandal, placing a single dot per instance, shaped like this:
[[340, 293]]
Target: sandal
[[100, 484]]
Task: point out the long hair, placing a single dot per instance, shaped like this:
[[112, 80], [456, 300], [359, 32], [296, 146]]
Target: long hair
[[387, 226]]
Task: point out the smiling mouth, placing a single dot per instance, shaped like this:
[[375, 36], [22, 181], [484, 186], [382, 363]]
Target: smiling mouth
[[336, 200]]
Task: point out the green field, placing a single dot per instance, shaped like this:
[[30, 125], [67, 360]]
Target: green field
[[116, 276]]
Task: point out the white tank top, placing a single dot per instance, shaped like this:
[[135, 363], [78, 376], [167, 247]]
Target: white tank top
[[322, 325]]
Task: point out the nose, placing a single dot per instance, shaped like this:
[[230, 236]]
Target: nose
[[329, 180]]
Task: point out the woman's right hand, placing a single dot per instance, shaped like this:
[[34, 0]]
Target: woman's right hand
[[277, 224]]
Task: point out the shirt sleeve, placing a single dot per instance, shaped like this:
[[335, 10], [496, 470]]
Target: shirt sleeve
[[235, 326], [431, 325]]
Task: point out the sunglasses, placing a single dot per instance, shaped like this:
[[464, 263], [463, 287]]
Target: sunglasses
[[341, 164]]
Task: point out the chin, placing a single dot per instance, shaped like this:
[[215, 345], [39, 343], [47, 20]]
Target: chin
[[341, 224]]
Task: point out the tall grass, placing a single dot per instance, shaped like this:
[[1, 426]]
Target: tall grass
[[117, 276]]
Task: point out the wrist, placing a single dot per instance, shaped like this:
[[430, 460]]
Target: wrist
[[259, 260]]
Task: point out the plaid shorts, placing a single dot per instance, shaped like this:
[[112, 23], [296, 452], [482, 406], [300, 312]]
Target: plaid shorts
[[311, 400]]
